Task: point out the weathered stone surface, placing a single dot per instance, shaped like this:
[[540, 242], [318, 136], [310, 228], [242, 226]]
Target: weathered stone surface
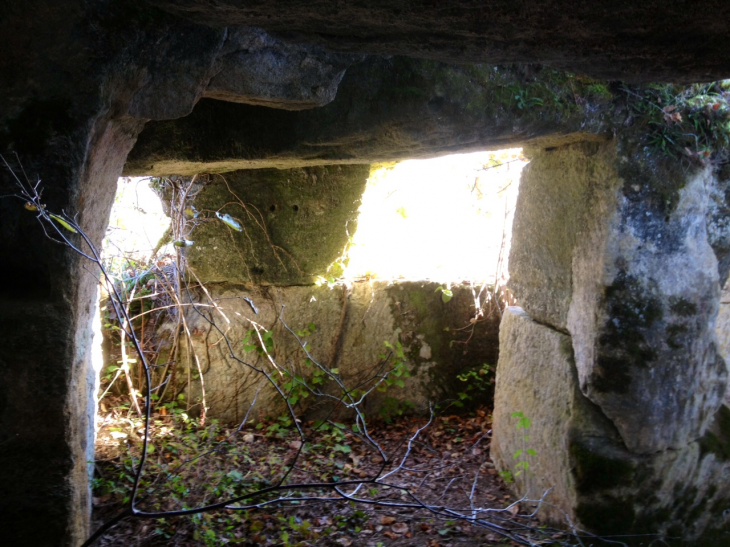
[[255, 68], [593, 479], [617, 251], [240, 64], [296, 223], [718, 220], [722, 331], [644, 42], [351, 328], [652, 351], [48, 302], [534, 377], [74, 76], [562, 192], [385, 109]]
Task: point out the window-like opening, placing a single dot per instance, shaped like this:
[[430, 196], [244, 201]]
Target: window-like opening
[[136, 224], [446, 219]]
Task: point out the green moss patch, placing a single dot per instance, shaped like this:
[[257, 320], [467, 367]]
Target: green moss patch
[[716, 439], [595, 472], [633, 308]]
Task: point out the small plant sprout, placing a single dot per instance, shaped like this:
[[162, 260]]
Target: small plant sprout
[[477, 382], [523, 422], [446, 293]]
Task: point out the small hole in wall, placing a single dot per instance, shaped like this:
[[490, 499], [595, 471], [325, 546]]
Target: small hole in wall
[[295, 208], [272, 208]]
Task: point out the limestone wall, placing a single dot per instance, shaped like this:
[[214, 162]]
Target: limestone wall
[[581, 467], [351, 327], [295, 223]]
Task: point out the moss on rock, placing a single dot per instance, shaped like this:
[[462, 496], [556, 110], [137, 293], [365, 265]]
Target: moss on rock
[[295, 224], [716, 439], [594, 471], [623, 344]]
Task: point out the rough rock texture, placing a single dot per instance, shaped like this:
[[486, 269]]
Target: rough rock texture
[[579, 454], [619, 257], [296, 224], [718, 220], [652, 350], [352, 326], [385, 109], [48, 303], [243, 65], [722, 331], [534, 377], [255, 68], [644, 41], [632, 277], [79, 79], [561, 192]]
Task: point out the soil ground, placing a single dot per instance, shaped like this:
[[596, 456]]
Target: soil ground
[[446, 465]]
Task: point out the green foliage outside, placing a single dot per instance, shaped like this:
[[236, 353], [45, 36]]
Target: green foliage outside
[[477, 382]]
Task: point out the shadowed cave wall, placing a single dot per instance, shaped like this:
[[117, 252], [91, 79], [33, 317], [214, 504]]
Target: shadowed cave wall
[[80, 82]]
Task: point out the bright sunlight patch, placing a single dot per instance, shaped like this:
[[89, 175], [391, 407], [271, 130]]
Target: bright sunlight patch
[[446, 219], [137, 221]]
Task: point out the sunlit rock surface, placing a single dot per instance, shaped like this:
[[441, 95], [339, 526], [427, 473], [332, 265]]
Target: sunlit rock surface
[[580, 465], [345, 330], [617, 258], [634, 281]]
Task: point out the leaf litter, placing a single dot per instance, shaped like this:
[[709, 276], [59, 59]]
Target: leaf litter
[[448, 463]]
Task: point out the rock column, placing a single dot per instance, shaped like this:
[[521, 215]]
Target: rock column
[[613, 355]]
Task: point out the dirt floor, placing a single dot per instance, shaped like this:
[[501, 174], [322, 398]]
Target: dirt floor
[[434, 473]]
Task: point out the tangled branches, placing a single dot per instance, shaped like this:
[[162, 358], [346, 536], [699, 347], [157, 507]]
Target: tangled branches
[[300, 476]]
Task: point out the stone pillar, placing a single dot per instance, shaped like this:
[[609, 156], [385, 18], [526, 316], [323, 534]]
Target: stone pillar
[[47, 305], [615, 357]]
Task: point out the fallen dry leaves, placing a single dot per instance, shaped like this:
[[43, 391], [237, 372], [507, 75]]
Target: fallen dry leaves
[[440, 468]]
